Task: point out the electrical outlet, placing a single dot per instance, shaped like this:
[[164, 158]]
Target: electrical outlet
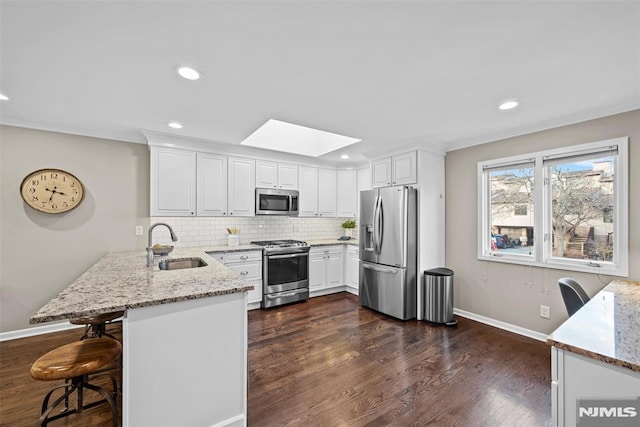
[[139, 230], [545, 312]]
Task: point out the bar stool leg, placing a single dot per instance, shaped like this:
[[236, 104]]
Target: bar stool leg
[[109, 399]]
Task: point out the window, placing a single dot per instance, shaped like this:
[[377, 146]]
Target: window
[[564, 208]]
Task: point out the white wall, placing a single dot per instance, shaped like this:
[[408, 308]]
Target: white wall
[[513, 293], [43, 253]]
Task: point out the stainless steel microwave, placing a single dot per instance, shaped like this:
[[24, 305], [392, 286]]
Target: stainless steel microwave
[[276, 202]]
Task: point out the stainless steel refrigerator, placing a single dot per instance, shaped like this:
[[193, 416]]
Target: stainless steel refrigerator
[[388, 251]]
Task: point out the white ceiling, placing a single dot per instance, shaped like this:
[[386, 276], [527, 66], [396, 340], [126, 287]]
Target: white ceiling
[[392, 73]]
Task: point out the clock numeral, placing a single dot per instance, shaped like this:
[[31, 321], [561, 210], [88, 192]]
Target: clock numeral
[[64, 178], [73, 199], [35, 182], [53, 176], [75, 191], [73, 183], [43, 177], [54, 206], [35, 198], [32, 190], [65, 204]]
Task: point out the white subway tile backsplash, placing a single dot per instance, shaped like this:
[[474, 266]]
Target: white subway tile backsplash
[[213, 231]]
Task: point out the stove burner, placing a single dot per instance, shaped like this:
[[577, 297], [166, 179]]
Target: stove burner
[[279, 243]]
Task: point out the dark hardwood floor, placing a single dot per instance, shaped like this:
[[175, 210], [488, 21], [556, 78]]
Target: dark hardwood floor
[[329, 362]]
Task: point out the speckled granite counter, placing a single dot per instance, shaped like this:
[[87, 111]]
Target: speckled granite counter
[[121, 280], [607, 328], [328, 242]]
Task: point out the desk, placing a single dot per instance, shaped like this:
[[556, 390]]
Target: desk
[[595, 354]]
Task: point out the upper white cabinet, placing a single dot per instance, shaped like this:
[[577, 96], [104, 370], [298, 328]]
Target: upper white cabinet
[[327, 186], [283, 176], [347, 189], [241, 186], [287, 176], [173, 182], [308, 202], [395, 170], [211, 185]]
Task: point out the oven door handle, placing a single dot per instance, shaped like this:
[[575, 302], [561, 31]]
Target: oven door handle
[[288, 294], [301, 254]]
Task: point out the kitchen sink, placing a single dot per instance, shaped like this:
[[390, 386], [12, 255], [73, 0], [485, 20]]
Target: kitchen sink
[[179, 264]]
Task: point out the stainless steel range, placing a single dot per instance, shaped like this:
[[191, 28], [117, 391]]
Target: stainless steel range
[[285, 271]]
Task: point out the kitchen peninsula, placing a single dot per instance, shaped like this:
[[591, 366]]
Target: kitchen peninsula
[[184, 335], [595, 354]]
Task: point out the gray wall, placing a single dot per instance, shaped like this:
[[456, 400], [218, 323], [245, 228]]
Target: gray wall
[[501, 291], [41, 254]]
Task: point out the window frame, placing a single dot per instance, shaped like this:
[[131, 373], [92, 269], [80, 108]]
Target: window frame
[[542, 211]]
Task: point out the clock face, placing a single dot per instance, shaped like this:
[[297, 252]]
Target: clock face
[[52, 190]]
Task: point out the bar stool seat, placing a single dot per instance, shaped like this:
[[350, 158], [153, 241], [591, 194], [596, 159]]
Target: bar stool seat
[[96, 326], [75, 362]]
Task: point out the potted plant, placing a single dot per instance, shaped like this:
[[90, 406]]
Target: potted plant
[[348, 226]]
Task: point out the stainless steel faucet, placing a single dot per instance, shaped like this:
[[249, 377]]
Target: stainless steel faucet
[[174, 238]]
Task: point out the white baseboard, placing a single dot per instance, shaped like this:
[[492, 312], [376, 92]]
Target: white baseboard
[[352, 291], [502, 325], [37, 330], [238, 420]]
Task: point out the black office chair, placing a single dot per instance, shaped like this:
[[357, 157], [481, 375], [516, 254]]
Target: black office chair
[[573, 295]]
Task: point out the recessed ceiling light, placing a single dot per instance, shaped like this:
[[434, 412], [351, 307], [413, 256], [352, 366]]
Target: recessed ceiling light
[[344, 156], [508, 105], [175, 125], [4, 97], [296, 139], [189, 73]]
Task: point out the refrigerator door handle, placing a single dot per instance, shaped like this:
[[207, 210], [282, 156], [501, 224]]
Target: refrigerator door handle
[[380, 226], [376, 226], [380, 269]]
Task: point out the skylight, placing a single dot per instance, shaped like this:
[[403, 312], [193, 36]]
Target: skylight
[[296, 139]]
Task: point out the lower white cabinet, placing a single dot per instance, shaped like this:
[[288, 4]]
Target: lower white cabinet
[[325, 267], [351, 269], [579, 379], [247, 265]]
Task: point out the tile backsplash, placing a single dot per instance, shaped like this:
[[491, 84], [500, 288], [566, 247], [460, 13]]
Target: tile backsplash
[[212, 231]]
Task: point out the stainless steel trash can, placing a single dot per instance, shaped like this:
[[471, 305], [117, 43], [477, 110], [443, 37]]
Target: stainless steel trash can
[[438, 296]]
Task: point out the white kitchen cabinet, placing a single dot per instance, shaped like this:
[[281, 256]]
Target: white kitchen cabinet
[[308, 187], [283, 176], [173, 182], [327, 186], [347, 189], [575, 377], [248, 265], [381, 172], [325, 267], [364, 183], [241, 180], [351, 267], [287, 176], [266, 174], [396, 170], [211, 185]]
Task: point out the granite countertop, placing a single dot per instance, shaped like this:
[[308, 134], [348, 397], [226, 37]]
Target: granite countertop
[[607, 328], [121, 281]]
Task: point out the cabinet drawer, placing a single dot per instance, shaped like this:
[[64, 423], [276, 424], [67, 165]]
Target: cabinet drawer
[[235, 257], [326, 250], [248, 270]]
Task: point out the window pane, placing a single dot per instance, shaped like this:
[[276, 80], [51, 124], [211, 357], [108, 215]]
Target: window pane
[[512, 210], [583, 209]]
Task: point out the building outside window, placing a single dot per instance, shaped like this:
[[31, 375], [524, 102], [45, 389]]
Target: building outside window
[[563, 208]]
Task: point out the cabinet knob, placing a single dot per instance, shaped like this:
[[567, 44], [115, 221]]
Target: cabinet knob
[[244, 257], [230, 213], [224, 213], [244, 273]]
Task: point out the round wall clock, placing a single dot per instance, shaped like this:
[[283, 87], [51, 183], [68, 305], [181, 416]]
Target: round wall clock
[[52, 190]]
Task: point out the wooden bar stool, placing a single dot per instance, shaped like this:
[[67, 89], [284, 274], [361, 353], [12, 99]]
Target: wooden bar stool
[[75, 362], [96, 326]]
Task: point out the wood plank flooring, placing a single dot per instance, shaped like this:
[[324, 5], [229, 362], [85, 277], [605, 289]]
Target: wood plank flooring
[[330, 362]]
